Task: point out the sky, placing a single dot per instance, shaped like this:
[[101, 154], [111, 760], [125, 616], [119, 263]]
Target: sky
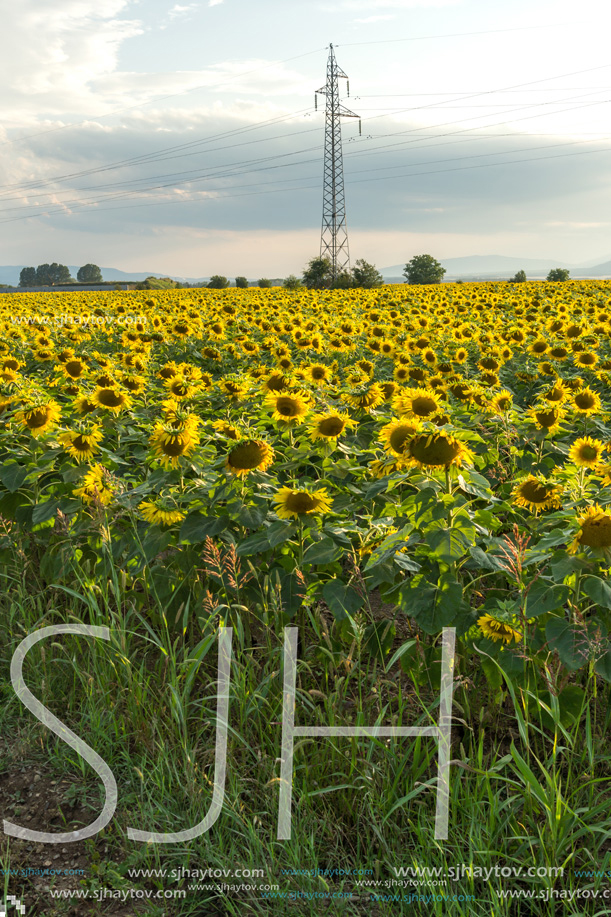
[[183, 137]]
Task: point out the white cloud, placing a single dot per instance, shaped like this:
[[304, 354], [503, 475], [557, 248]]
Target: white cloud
[[368, 19], [215, 2], [339, 6], [52, 52]]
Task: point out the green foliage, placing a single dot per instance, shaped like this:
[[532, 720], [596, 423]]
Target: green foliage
[[366, 275], [217, 282], [241, 283], [318, 274], [264, 283], [27, 277], [519, 277], [51, 274], [292, 283], [89, 273], [157, 283], [558, 275], [423, 269]]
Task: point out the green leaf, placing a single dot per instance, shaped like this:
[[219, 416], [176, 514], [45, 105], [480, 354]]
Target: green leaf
[[343, 600], [44, 511], [255, 544], [13, 475], [450, 544], [602, 666], [598, 590], [279, 532], [543, 597], [324, 551], [196, 527], [570, 643]]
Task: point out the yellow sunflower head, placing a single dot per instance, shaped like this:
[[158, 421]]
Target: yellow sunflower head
[[287, 407], [161, 512], [594, 532], [39, 417], [251, 455], [97, 486], [81, 444], [503, 631], [535, 494], [329, 426], [290, 503], [586, 452], [111, 399], [420, 403], [438, 450], [586, 402]]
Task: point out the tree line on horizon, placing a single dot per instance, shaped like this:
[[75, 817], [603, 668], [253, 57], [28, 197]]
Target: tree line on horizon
[[53, 274], [422, 269]]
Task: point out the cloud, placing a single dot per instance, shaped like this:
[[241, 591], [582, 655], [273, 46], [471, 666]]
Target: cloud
[[215, 2], [51, 53], [339, 6], [368, 19]]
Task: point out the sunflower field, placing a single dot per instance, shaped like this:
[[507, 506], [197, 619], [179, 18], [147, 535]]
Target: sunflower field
[[369, 465]]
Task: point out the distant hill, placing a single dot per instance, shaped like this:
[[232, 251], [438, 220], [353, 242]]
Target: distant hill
[[9, 274]]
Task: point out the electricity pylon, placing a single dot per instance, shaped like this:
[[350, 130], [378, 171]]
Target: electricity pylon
[[334, 235]]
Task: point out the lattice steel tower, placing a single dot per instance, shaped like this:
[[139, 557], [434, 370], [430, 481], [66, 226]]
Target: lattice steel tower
[[334, 235]]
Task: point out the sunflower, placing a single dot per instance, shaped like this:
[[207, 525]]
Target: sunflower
[[437, 450], [319, 373], [169, 444], [546, 418], [111, 399], [254, 454], [158, 513], [396, 435], [497, 630], [586, 452], [329, 426], [291, 503], [418, 402], [535, 494], [502, 402], [96, 486], [367, 399], [39, 417], [557, 394], [74, 368], [81, 444], [586, 402], [585, 359], [226, 429], [276, 382], [594, 531], [84, 404], [180, 387], [287, 408]]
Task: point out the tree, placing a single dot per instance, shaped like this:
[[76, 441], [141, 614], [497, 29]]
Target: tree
[[366, 275], [343, 281], [217, 282], [423, 269], [558, 274], [27, 277], [318, 274], [520, 277], [89, 273], [241, 282], [51, 274], [292, 283], [264, 283]]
